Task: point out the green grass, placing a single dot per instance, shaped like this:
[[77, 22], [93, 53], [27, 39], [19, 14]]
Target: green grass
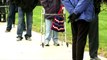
[[102, 28], [102, 33]]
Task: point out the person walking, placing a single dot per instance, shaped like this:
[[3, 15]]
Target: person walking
[[13, 8], [25, 7], [50, 7], [81, 14]]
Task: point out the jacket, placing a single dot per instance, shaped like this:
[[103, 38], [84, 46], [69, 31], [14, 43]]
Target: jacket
[[51, 7], [27, 5], [84, 8]]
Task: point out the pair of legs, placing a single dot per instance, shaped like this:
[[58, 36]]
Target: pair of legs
[[79, 35], [11, 17], [4, 17], [21, 26], [50, 33], [94, 38]]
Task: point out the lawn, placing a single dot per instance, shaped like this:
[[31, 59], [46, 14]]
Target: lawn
[[102, 28]]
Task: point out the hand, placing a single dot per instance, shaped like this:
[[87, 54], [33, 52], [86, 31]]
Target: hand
[[73, 17]]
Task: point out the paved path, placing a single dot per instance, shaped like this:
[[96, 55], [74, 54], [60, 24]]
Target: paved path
[[10, 49]]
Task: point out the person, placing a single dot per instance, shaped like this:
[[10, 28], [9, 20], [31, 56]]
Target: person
[[13, 8], [50, 7], [94, 33], [81, 14], [2, 11], [25, 7]]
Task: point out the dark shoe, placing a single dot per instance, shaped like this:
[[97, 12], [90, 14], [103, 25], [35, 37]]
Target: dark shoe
[[7, 30], [27, 37], [46, 44], [57, 44], [19, 38]]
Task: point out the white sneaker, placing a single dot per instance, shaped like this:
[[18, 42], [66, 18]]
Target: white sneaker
[[19, 38], [29, 39]]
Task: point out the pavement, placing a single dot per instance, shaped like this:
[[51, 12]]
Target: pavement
[[10, 49]]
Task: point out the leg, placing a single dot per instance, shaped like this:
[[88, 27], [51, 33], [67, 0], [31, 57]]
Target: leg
[[11, 17], [83, 28], [55, 38], [48, 31], [24, 24], [93, 38], [29, 23], [74, 39], [4, 17], [20, 22]]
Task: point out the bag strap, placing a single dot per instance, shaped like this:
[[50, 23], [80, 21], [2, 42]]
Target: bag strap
[[60, 10]]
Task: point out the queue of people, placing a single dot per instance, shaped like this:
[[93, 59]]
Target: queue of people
[[83, 17]]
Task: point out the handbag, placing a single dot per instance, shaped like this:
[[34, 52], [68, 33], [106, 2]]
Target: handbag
[[58, 22]]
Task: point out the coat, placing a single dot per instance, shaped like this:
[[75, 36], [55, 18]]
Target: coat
[[83, 7], [51, 7], [27, 5]]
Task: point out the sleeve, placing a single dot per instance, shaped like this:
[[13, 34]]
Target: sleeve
[[81, 6], [68, 6]]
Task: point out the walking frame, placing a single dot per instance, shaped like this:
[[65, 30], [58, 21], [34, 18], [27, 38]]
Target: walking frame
[[64, 39]]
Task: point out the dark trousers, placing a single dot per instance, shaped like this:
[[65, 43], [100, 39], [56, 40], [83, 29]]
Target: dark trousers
[[93, 38], [11, 16], [79, 35], [4, 17]]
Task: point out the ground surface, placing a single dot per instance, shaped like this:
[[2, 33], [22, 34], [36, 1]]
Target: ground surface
[[10, 49]]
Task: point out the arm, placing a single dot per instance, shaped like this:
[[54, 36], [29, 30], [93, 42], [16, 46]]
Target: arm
[[68, 6], [81, 6]]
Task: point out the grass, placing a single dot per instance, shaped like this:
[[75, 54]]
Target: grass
[[102, 28], [102, 33]]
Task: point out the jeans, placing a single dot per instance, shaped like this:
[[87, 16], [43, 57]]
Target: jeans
[[11, 16], [28, 22], [50, 33], [93, 38]]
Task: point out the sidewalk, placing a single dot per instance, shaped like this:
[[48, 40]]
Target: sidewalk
[[10, 49]]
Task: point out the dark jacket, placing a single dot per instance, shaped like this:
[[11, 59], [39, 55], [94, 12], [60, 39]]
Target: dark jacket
[[27, 5], [51, 7]]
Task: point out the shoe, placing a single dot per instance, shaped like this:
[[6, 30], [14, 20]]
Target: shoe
[[96, 58], [46, 42], [56, 44], [19, 38], [27, 37], [7, 30]]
